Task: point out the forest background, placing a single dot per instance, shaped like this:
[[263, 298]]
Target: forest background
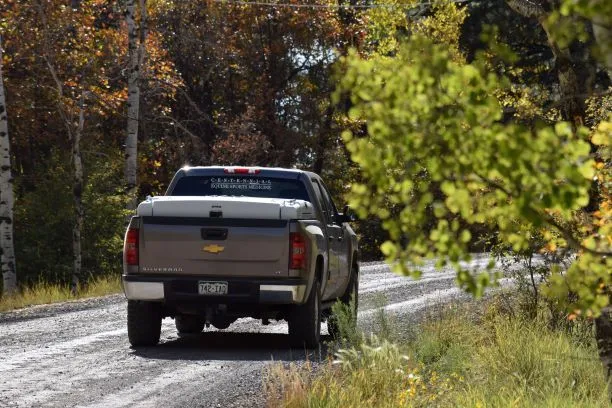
[[250, 83]]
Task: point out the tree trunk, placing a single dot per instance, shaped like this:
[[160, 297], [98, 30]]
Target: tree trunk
[[576, 74], [575, 70], [74, 135], [133, 107], [603, 334], [7, 249], [142, 77], [602, 31], [323, 140], [78, 200], [144, 28]]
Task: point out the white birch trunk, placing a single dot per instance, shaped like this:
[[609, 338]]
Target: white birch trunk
[[133, 106], [144, 28], [7, 249], [78, 196]]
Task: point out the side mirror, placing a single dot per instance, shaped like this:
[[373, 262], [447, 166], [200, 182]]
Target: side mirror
[[348, 215]]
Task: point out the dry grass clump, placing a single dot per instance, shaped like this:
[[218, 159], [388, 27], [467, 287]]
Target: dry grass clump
[[44, 293]]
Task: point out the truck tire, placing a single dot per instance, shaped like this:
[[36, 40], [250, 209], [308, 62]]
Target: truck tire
[[305, 321], [188, 324], [352, 291], [144, 323]]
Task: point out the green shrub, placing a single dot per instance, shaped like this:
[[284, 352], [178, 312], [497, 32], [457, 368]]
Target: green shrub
[[44, 218], [348, 334]]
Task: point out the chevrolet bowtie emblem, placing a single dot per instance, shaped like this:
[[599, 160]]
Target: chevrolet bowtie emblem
[[213, 249]]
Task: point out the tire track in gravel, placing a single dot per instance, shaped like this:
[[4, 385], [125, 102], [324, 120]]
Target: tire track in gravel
[[77, 354]]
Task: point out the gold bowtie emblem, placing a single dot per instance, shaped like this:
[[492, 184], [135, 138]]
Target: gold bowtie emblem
[[213, 249]]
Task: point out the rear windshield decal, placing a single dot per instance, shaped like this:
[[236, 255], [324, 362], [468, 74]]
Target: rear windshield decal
[[240, 183], [241, 186]]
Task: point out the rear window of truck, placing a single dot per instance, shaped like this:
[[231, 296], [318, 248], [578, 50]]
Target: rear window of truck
[[240, 186]]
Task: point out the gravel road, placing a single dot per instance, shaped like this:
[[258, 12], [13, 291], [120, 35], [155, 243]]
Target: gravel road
[[76, 354]]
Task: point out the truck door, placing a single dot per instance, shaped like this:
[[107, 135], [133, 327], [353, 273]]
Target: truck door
[[343, 242], [335, 237]]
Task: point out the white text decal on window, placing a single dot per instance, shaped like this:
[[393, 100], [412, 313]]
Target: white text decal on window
[[240, 183]]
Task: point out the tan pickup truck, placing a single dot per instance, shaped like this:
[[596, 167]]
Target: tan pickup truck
[[230, 242]]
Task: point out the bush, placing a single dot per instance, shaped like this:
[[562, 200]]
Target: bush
[[44, 217], [345, 319]]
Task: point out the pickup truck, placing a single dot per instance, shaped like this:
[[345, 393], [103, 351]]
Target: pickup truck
[[230, 242]]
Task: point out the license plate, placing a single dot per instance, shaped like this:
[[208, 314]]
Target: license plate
[[212, 288]]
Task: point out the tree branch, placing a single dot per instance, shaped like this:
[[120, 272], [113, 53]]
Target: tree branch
[[528, 8], [178, 124], [573, 241], [191, 102]]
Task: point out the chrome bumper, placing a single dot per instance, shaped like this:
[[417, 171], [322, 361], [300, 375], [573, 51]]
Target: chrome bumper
[[294, 293], [268, 293], [143, 290]]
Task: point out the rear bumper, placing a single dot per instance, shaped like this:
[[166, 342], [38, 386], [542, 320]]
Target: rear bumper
[[174, 289]]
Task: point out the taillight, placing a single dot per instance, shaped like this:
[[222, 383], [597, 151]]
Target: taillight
[[130, 248], [297, 251], [240, 170]]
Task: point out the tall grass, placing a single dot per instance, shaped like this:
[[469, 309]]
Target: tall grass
[[522, 363], [44, 293], [473, 356]]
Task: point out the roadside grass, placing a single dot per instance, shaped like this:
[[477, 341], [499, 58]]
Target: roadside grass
[[472, 355], [44, 293]]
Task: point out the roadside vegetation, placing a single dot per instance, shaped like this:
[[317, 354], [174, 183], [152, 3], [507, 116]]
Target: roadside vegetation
[[43, 292], [479, 354]]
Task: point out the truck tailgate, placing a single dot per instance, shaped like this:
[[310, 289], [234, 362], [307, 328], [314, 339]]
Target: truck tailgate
[[214, 246], [227, 207]]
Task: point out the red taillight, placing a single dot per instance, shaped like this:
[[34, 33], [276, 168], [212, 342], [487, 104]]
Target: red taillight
[[240, 170], [130, 248], [297, 251]]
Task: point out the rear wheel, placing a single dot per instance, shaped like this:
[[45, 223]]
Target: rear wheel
[[305, 321], [188, 324], [144, 323]]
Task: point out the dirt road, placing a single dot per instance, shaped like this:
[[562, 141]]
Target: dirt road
[[77, 354]]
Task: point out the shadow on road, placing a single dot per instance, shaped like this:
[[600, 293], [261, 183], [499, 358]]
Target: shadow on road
[[230, 346]]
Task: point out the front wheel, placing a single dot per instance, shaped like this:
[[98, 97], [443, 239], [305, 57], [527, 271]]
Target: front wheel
[[143, 323], [305, 321]]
